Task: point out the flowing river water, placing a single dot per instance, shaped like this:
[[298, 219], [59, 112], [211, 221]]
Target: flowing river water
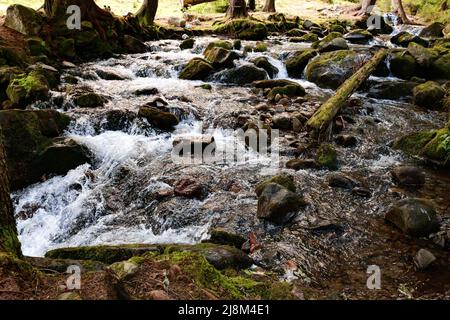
[[115, 202]]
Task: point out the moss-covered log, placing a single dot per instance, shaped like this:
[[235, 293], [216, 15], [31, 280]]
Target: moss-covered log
[[8, 233], [320, 121]]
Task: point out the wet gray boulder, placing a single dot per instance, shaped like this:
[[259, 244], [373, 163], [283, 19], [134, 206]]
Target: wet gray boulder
[[284, 180], [434, 30], [241, 75], [277, 204], [414, 216], [333, 45], [33, 147], [23, 19], [89, 100], [133, 45], [196, 69], [342, 180], [404, 38], [221, 58], [408, 176], [61, 156], [263, 63], [331, 69], [359, 36], [390, 89], [187, 44], [403, 65]]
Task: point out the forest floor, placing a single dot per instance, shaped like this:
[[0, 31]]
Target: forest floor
[[315, 10]]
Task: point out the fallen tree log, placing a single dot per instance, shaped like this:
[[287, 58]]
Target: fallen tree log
[[322, 118]]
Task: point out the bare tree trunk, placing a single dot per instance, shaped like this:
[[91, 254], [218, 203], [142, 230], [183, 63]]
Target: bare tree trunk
[[398, 8], [237, 9], [366, 7], [269, 6], [8, 232], [147, 12], [252, 5]]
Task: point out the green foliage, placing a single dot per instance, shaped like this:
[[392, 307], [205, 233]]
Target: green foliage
[[218, 6]]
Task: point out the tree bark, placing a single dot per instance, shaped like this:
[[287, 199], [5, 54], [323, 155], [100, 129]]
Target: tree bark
[[320, 120], [147, 12], [252, 5], [56, 9], [398, 8], [237, 9], [8, 233], [366, 7], [269, 6]]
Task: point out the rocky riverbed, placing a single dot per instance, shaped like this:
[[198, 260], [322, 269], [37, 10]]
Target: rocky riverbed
[[317, 215]]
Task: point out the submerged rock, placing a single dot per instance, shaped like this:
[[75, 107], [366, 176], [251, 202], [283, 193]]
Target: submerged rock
[[89, 100], [392, 90], [277, 204], [189, 188], [408, 176], [341, 180], [414, 216], [424, 259]]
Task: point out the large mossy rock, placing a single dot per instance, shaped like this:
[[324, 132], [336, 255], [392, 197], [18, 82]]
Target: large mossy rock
[[25, 89], [89, 100], [90, 45], [414, 216], [12, 57], [241, 75], [289, 91], [33, 148], [440, 68], [327, 157], [218, 44], [434, 30], [286, 181], [331, 69], [263, 63], [221, 58], [244, 29], [23, 19], [429, 95], [220, 256], [403, 65], [196, 69], [423, 56], [297, 62], [434, 145], [160, 119]]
